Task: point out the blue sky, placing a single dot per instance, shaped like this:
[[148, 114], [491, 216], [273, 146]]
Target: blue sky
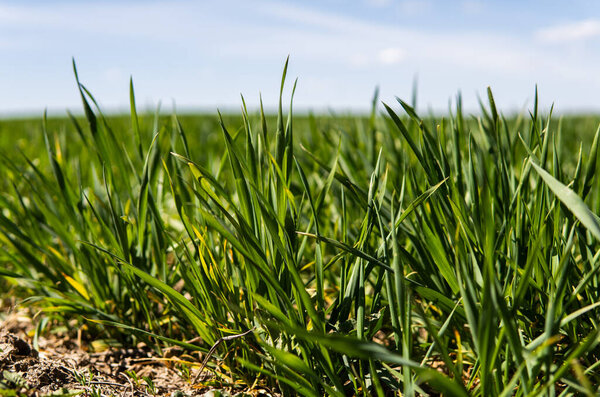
[[203, 54]]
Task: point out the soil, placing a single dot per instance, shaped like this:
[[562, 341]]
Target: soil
[[62, 365]]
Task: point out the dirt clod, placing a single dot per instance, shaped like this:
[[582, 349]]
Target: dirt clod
[[13, 346]]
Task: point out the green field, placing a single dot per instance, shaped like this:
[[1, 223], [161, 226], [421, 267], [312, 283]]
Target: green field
[[380, 255]]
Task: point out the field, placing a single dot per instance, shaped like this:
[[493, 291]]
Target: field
[[313, 255]]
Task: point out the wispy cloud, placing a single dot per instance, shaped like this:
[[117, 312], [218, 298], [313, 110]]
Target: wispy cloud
[[305, 33], [152, 20], [574, 31], [177, 49], [334, 36]]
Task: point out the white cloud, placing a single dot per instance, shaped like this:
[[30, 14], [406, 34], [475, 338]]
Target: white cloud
[[328, 47], [574, 31], [391, 56]]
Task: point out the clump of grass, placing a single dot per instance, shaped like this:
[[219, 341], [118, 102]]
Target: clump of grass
[[351, 255]]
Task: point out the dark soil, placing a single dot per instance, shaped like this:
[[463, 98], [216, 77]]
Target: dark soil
[[64, 366]]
